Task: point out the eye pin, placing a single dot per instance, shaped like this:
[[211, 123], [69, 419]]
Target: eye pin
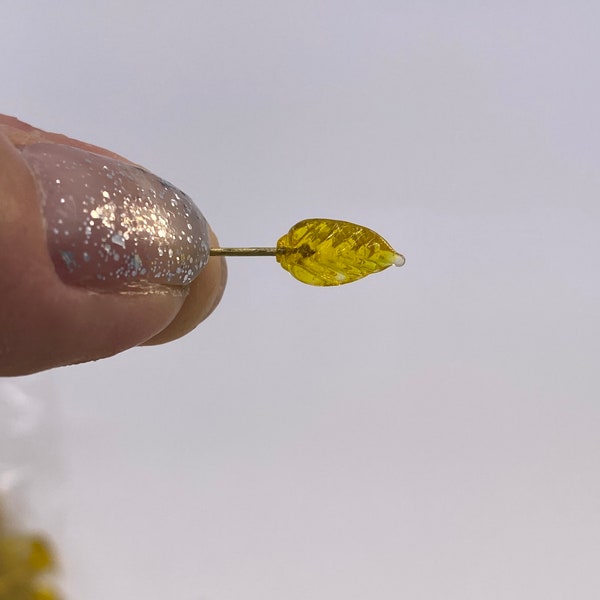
[[326, 252]]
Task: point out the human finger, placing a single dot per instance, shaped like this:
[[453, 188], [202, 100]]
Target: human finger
[[96, 254]]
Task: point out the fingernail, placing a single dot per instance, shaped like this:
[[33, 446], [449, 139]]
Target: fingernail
[[114, 226]]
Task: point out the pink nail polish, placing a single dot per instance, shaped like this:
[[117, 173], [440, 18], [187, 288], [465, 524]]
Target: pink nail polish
[[114, 226]]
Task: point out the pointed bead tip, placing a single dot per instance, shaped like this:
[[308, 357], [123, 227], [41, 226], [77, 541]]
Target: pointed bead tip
[[399, 260]]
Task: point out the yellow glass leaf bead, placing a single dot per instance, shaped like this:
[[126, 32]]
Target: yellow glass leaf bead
[[328, 252]]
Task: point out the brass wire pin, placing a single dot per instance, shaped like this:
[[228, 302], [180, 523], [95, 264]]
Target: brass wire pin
[[243, 251]]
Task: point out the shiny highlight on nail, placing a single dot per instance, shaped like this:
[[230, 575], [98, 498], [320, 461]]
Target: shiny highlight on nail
[[112, 225]]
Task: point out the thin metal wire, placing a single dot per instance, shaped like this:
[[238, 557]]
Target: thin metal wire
[[245, 251]]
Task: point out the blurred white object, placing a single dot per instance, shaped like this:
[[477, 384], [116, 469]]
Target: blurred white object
[[29, 457]]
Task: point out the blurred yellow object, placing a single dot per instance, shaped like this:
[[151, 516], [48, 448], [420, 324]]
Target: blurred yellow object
[[25, 562]]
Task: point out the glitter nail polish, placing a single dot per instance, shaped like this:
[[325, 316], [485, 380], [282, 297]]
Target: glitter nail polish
[[113, 226]]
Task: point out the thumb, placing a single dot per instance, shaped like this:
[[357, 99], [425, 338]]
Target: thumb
[[96, 254]]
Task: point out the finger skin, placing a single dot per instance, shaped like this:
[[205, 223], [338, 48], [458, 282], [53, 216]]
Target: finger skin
[[206, 291], [45, 323]]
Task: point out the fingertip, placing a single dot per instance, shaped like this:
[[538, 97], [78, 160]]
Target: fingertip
[[204, 295], [44, 322]]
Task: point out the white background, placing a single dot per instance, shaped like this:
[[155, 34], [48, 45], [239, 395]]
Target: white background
[[432, 432]]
